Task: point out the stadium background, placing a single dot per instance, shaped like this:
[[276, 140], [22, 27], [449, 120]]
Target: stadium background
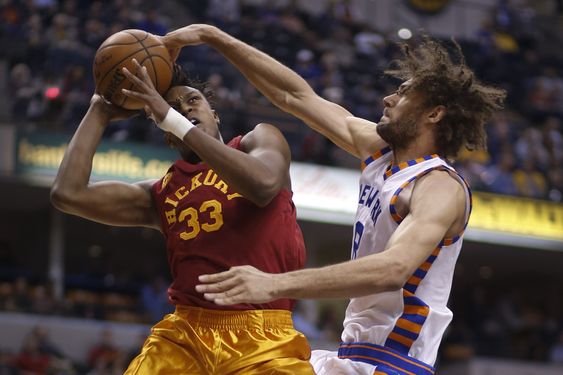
[[77, 297]]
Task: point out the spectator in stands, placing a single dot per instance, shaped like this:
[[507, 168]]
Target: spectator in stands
[[529, 181], [307, 67], [104, 354], [31, 360], [75, 29], [21, 300], [154, 297], [75, 96], [531, 145], [223, 12], [346, 12], [27, 101], [555, 181], [472, 166], [500, 178], [42, 301], [59, 362], [552, 140], [501, 135], [40, 334], [152, 23]]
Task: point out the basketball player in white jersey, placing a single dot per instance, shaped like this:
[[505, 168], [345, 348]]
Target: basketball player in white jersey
[[412, 209]]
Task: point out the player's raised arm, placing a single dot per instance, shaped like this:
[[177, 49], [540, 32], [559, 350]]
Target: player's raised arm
[[285, 89], [259, 171], [108, 202], [437, 208]]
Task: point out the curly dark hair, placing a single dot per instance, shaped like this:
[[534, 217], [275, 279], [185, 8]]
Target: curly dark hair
[[440, 81]]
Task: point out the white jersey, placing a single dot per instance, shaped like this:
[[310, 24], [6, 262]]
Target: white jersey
[[400, 330]]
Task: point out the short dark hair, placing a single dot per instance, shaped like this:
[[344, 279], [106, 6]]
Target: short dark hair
[[469, 103], [181, 78]]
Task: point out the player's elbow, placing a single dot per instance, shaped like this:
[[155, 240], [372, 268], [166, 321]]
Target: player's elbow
[[264, 197], [62, 199], [265, 192]]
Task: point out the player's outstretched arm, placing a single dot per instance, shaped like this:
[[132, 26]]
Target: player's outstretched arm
[[258, 173], [285, 89], [437, 206], [108, 202]]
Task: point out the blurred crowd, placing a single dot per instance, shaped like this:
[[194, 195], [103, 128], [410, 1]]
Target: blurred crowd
[[142, 302], [516, 321], [40, 354], [49, 46]]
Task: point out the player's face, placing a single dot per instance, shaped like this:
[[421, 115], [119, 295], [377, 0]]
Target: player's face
[[193, 105], [399, 124]]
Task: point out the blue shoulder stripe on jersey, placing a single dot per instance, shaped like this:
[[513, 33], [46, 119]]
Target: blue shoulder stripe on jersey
[[410, 287], [385, 357], [413, 301], [415, 318], [420, 273], [401, 348], [408, 334]]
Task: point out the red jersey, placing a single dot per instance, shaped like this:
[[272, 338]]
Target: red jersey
[[209, 227]]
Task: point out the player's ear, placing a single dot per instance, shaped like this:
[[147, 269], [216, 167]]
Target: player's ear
[[216, 117], [437, 114]]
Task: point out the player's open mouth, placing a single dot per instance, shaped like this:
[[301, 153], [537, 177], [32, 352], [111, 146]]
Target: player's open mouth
[[194, 121]]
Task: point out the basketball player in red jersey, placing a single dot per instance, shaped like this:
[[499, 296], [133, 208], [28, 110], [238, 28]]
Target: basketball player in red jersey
[[219, 206]]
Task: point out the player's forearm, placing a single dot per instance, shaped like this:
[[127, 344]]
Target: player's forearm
[[360, 277], [76, 166], [244, 173], [274, 80]]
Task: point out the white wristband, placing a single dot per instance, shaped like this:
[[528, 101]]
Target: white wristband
[[176, 124]]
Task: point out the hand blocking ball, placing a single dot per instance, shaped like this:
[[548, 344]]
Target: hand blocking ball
[[117, 51]]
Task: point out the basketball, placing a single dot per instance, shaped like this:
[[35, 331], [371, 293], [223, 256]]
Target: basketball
[[117, 51]]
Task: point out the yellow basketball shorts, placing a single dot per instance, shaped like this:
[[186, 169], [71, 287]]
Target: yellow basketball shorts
[[193, 340]]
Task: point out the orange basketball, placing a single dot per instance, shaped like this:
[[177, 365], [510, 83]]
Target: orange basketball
[[117, 51]]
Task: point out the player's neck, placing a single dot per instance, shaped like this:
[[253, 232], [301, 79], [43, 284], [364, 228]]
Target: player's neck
[[415, 150]]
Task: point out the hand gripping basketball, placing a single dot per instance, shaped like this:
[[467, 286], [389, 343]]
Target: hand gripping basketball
[[165, 117], [117, 51]]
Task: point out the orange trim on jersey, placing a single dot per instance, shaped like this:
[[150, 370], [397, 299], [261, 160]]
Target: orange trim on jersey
[[419, 310], [451, 240], [376, 155], [392, 169], [414, 310], [400, 339], [398, 218], [409, 326], [425, 266], [414, 280]]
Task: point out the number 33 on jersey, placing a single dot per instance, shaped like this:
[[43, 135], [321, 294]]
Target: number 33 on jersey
[[206, 215]]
